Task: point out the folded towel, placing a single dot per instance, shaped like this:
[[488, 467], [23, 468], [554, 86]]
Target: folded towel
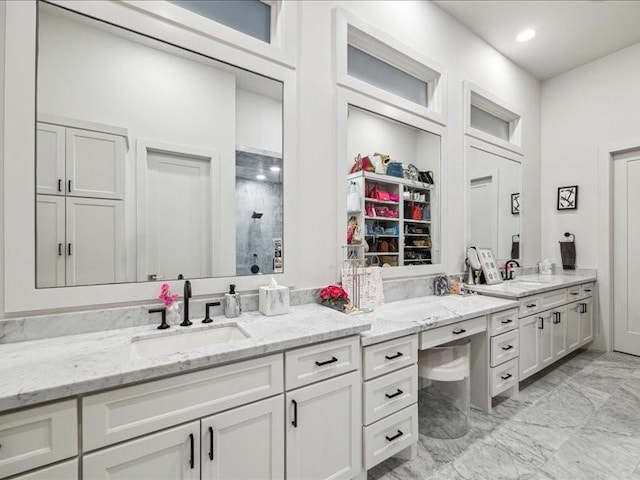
[[568, 254]]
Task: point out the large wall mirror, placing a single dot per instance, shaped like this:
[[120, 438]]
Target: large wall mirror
[[398, 187], [494, 201], [152, 162]]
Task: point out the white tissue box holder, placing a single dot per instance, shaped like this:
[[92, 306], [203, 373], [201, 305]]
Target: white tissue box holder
[[273, 301]]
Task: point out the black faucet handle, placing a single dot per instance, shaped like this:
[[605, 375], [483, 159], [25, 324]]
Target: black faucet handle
[[207, 308], [163, 311]]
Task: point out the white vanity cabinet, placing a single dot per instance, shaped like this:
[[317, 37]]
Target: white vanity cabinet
[[324, 411], [38, 436], [556, 329], [50, 152], [50, 241]]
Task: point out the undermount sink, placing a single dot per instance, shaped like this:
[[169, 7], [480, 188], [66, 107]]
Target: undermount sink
[[173, 342]]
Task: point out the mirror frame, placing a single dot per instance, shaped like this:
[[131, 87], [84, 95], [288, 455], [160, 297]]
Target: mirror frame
[[469, 143], [19, 150], [345, 98]]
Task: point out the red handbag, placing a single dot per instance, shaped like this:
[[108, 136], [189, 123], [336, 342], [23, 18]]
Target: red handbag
[[378, 194], [416, 212]]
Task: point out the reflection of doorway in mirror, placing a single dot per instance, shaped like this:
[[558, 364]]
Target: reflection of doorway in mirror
[[483, 216], [178, 215]]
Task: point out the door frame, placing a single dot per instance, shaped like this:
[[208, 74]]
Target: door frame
[[603, 336], [143, 148]]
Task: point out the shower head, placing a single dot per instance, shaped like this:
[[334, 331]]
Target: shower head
[[256, 215]]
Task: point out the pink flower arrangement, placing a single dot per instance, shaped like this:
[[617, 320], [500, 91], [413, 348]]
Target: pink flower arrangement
[[334, 292], [166, 296]]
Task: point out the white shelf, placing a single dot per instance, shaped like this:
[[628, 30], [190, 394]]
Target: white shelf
[[417, 201], [423, 222], [371, 254], [391, 180], [381, 202], [381, 236], [417, 235], [392, 219], [415, 246]]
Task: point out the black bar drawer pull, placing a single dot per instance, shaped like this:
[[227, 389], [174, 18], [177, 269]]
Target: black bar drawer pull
[[588, 290], [192, 460], [69, 250], [69, 186], [393, 357], [60, 185], [294, 422], [508, 347], [531, 305], [575, 293], [211, 443], [327, 362], [393, 395], [508, 320], [458, 332], [60, 252], [396, 436], [506, 377]]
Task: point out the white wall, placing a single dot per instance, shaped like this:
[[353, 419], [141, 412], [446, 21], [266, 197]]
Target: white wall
[[582, 110], [258, 121], [429, 30]]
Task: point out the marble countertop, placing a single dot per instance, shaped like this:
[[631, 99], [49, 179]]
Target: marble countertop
[[405, 317], [49, 369], [526, 285]]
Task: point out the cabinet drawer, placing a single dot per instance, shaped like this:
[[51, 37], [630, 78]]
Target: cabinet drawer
[[503, 321], [385, 395], [530, 305], [440, 335], [388, 356], [390, 435], [587, 289], [504, 347], [128, 412], [318, 362], [554, 298], [504, 376], [62, 471], [38, 436]]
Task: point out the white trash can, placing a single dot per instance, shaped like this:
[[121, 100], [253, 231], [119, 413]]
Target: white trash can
[[444, 394]]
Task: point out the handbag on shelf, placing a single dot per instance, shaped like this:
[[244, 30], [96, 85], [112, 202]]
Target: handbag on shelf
[[394, 197], [353, 198], [361, 163], [415, 212], [426, 177], [378, 194], [395, 169]]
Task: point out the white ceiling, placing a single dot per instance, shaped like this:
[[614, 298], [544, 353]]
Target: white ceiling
[[569, 33]]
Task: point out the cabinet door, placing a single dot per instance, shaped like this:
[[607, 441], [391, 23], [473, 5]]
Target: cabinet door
[[545, 332], [61, 471], [559, 328], [573, 326], [95, 241], [50, 241], [245, 443], [323, 426], [586, 322], [168, 455], [94, 164], [529, 346], [50, 155]]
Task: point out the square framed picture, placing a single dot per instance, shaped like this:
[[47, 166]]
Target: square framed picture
[[515, 204], [568, 198], [489, 266]]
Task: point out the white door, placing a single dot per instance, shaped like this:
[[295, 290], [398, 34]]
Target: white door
[[245, 443], [178, 216], [483, 216], [529, 346], [559, 327], [586, 321], [94, 164], [50, 154], [95, 241], [545, 333], [169, 455], [573, 326], [626, 257], [323, 425], [50, 241]]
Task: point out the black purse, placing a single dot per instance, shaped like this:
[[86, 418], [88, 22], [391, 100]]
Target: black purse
[[426, 177]]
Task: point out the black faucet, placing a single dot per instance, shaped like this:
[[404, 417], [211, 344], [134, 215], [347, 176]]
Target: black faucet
[[508, 266], [187, 296]]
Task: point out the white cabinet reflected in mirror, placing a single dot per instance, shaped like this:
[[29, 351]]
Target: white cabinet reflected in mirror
[[494, 203], [152, 162]]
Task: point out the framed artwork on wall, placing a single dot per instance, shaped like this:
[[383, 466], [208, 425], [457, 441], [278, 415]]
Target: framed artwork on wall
[[515, 204], [567, 198]]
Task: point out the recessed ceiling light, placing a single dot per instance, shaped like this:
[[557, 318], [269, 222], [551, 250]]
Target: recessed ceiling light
[[260, 176], [526, 35], [275, 169]]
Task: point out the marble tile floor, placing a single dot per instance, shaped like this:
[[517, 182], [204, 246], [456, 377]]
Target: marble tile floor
[[577, 420]]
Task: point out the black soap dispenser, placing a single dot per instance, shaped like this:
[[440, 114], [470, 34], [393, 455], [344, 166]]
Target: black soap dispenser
[[232, 305]]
